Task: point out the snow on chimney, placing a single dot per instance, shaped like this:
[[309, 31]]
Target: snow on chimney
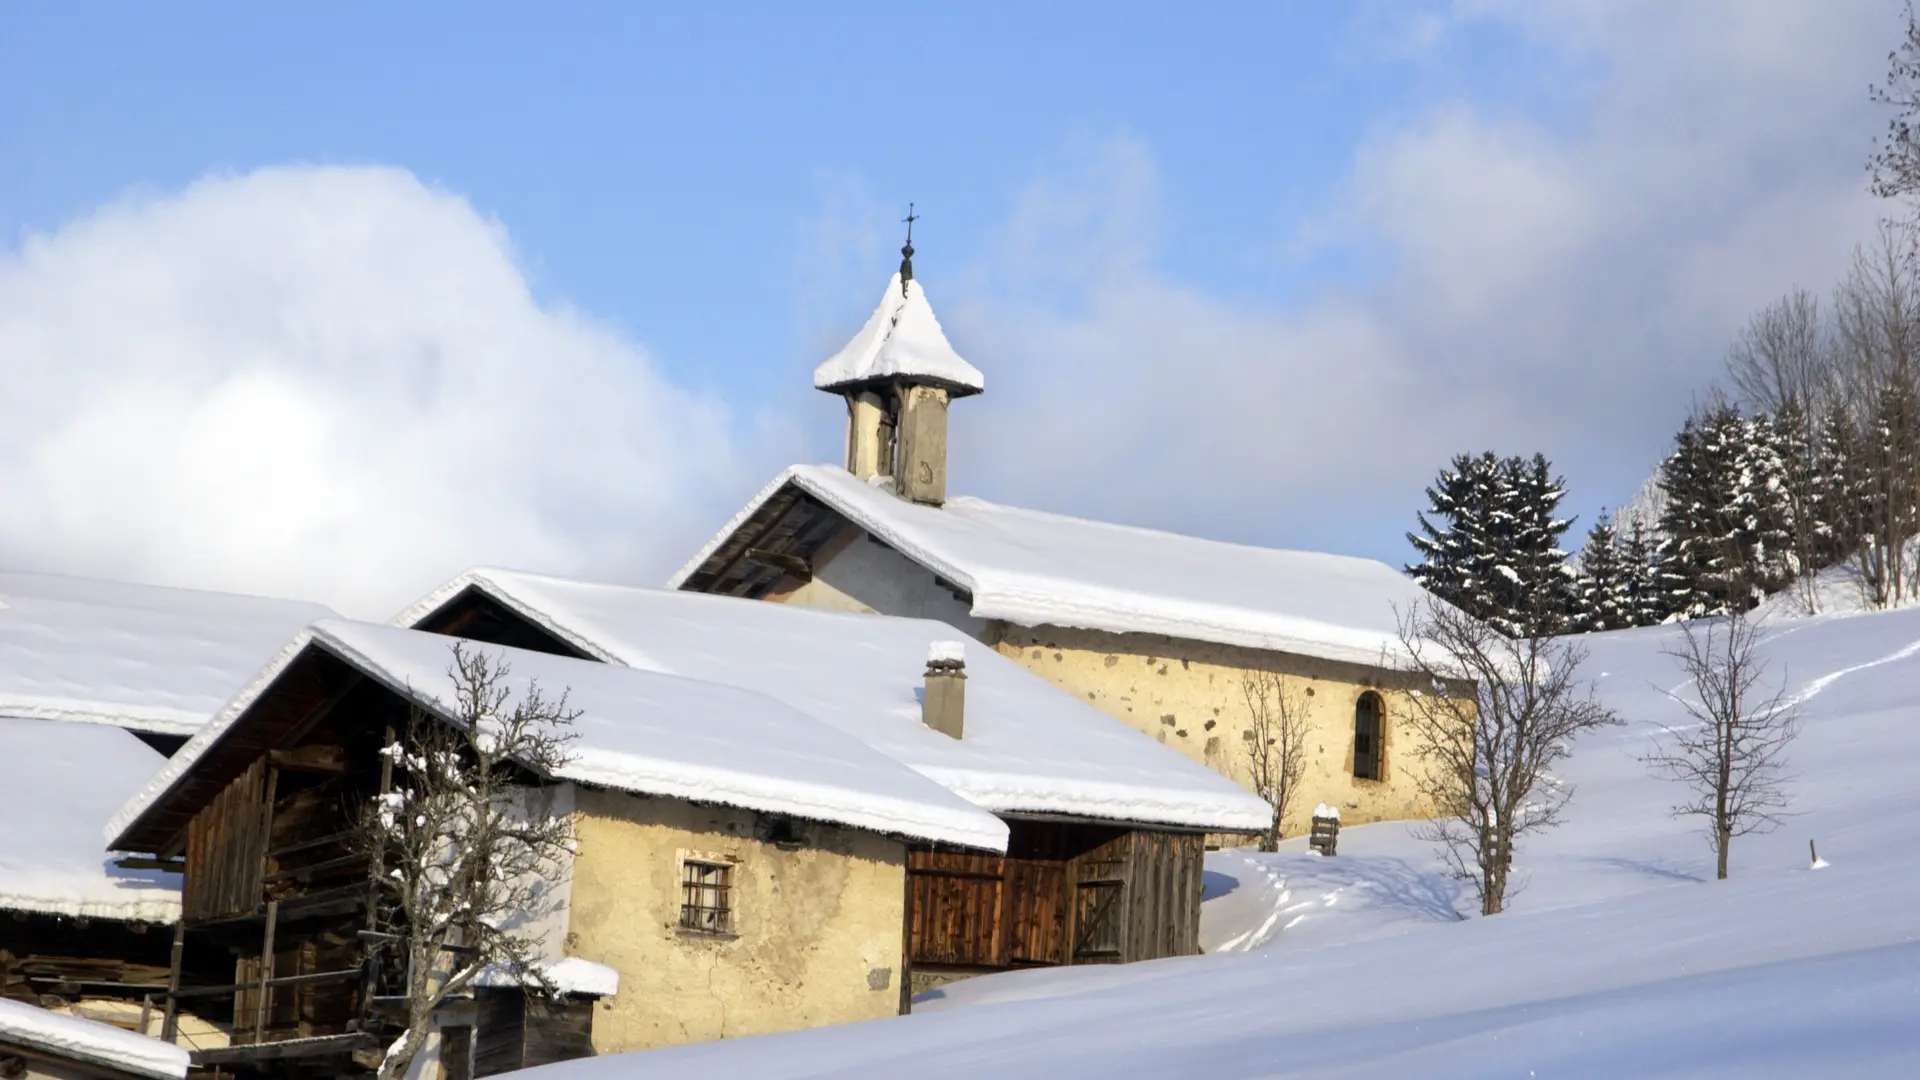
[[944, 704]]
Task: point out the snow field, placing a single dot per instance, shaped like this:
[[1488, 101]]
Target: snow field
[[1619, 957]]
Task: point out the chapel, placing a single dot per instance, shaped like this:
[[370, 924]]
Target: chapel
[[1177, 636]]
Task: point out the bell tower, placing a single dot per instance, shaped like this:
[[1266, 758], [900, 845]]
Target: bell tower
[[898, 375]]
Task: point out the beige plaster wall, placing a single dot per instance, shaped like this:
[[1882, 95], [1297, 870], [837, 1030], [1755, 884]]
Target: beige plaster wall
[[1189, 695], [817, 930], [854, 573]]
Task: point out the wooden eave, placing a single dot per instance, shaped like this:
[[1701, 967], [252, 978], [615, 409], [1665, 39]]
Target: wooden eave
[[476, 613], [299, 697], [896, 383], [787, 530]]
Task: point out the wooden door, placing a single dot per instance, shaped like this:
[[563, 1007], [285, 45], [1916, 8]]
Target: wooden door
[[954, 907], [1036, 893]]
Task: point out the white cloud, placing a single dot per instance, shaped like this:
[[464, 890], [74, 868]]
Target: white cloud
[[330, 383], [1556, 278]]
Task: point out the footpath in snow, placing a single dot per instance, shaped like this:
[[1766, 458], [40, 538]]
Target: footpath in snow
[[1621, 956]]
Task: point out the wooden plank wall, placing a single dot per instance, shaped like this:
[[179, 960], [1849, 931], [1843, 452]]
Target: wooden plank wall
[[513, 1030], [1071, 894], [1163, 894], [226, 844], [954, 908], [499, 1030]]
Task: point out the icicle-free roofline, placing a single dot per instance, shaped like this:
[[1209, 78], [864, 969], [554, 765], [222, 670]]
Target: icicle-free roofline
[[1024, 768], [938, 816], [1027, 598]]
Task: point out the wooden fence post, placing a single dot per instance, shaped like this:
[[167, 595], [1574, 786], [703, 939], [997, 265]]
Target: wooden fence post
[[170, 1023], [266, 973]]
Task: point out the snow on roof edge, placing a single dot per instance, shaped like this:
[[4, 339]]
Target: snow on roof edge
[[801, 799], [1000, 599], [1199, 622], [62, 1035], [152, 721], [572, 975], [489, 581], [989, 791], [796, 797], [150, 910], [1130, 803], [211, 732]]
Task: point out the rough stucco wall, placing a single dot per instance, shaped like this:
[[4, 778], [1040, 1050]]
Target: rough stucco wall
[[817, 929], [1188, 695], [854, 573]]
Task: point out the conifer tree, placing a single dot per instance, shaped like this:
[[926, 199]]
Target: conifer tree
[[1490, 543], [1646, 583], [1605, 600], [1728, 516], [1458, 544]]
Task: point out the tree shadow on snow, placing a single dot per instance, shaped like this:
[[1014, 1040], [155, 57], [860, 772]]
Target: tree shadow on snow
[[1381, 883], [1649, 868]]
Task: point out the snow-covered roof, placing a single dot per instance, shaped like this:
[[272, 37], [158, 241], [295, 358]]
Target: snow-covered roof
[[62, 781], [644, 732], [901, 340], [1033, 568], [136, 656], [569, 977], [79, 1039], [1028, 745]]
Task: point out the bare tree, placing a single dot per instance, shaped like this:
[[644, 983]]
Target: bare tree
[[1895, 164], [1499, 713], [1276, 749], [464, 847], [1732, 757], [1781, 361], [1877, 380], [1782, 365]]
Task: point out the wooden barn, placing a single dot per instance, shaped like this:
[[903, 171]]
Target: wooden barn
[[671, 782], [1106, 828]]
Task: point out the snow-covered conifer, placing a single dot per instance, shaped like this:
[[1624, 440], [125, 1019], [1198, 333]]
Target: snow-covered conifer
[[1490, 543], [1605, 600]]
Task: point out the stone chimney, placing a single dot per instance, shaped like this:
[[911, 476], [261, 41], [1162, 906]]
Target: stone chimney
[[943, 706]]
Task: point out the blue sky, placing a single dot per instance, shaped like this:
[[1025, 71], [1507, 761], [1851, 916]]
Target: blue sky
[[658, 166], [1506, 226]]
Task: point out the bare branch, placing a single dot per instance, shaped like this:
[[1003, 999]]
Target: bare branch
[[1276, 744], [1732, 758], [466, 847], [1492, 717]]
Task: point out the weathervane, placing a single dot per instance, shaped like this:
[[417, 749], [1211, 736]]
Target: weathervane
[[906, 252]]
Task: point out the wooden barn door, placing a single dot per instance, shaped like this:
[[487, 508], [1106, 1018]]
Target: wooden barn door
[[1036, 894], [1099, 902], [954, 908]]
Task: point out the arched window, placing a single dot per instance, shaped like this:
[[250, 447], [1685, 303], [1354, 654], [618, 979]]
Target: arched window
[[1367, 713]]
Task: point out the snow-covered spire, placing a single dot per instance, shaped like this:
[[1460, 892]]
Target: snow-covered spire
[[901, 343], [898, 374]]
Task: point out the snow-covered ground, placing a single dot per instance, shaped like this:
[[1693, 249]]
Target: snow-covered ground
[[1621, 956]]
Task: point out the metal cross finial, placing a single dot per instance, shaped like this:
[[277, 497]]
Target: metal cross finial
[[906, 252]]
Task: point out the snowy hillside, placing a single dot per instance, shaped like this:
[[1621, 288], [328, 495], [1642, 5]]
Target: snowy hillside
[[1621, 957]]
